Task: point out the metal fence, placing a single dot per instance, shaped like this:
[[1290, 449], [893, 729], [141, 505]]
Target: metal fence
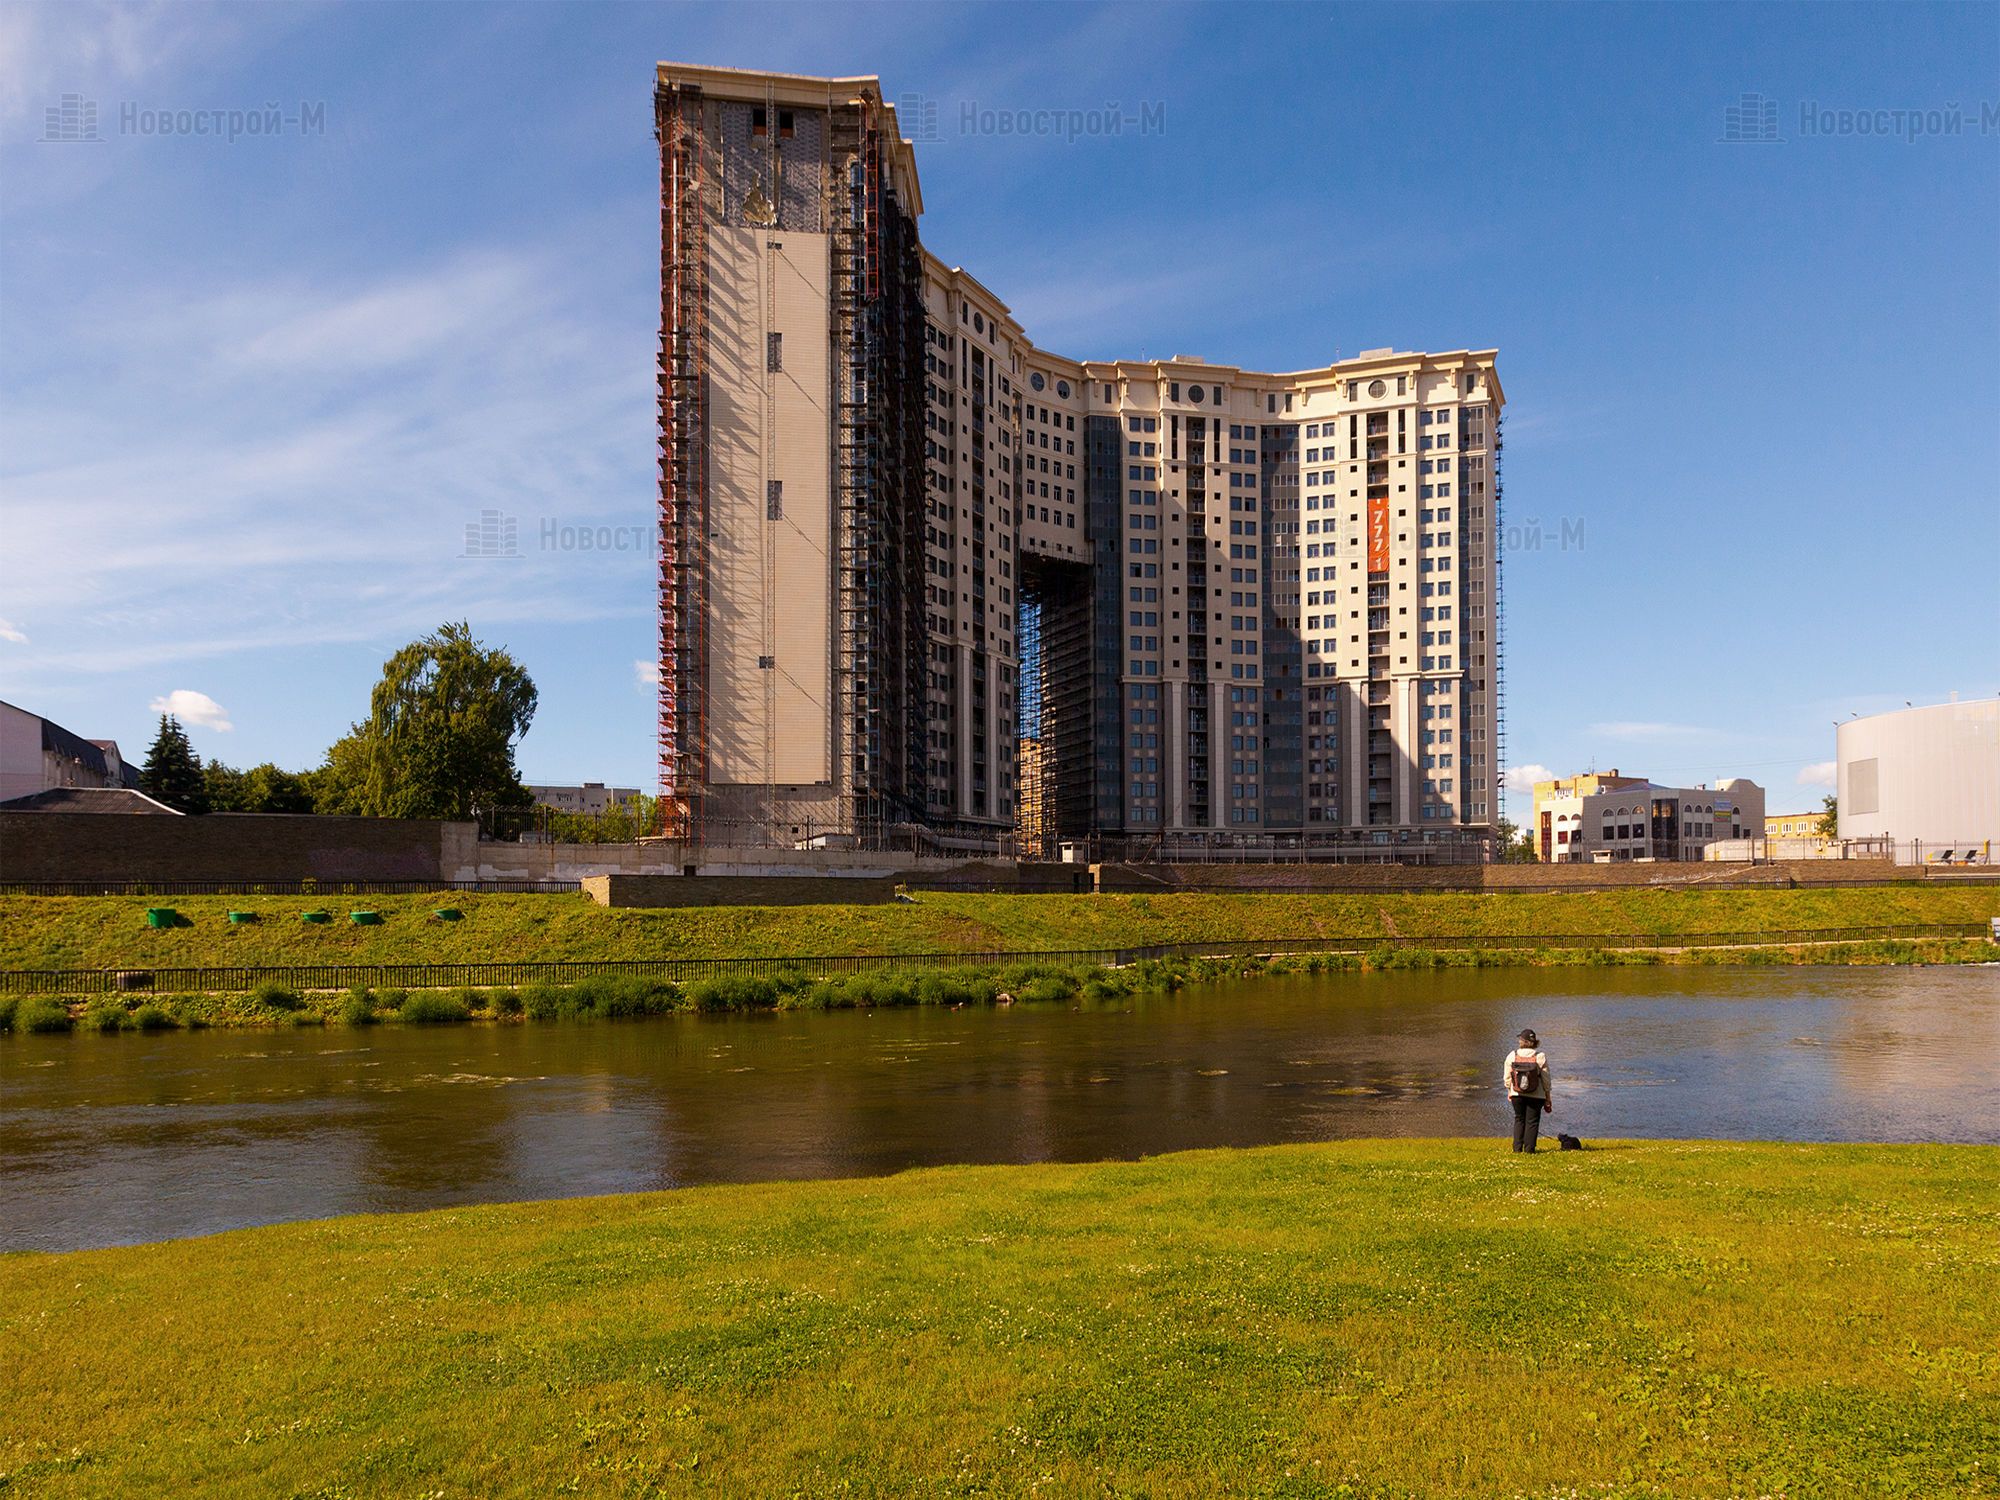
[[449, 976], [284, 887]]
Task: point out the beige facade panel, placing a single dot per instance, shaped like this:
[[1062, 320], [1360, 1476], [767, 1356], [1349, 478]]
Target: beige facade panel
[[770, 549]]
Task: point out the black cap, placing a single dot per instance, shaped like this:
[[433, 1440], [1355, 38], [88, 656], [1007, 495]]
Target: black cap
[[1530, 1038]]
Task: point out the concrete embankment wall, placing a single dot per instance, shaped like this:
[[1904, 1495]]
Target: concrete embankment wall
[[58, 846], [1495, 878], [740, 890], [249, 847]]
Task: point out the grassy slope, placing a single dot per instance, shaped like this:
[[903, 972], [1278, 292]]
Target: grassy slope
[[1370, 1318], [110, 931]]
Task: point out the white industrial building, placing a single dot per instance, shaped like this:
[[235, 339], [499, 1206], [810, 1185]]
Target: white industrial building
[[1928, 777]]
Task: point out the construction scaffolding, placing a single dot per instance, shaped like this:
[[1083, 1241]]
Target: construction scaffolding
[[1498, 768], [683, 398], [877, 309]]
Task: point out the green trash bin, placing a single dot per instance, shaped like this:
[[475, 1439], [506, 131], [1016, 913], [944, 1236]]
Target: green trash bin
[[240, 917], [365, 918], [161, 916], [315, 916], [448, 914]]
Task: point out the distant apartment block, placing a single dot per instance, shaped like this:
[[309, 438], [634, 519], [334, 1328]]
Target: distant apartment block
[[1604, 817], [917, 570], [590, 797]]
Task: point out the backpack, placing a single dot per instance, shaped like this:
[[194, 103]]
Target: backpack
[[1524, 1075]]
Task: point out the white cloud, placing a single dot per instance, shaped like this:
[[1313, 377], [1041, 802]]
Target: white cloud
[[646, 673], [1819, 773], [9, 631], [191, 707], [1523, 778]]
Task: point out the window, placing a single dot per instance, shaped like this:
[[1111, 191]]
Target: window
[[774, 351], [774, 500]]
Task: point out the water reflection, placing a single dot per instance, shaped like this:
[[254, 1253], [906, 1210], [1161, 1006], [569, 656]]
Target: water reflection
[[118, 1140]]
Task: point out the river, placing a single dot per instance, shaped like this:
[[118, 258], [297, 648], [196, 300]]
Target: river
[[109, 1140]]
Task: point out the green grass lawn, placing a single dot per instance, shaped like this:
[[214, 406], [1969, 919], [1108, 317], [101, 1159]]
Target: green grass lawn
[[94, 932], [1361, 1319]]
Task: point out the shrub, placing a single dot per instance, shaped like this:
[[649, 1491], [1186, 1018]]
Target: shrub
[[359, 1007], [8, 1005], [41, 1015], [545, 1002], [435, 1010], [733, 992], [270, 995], [503, 1002], [946, 989], [153, 1018], [391, 999], [473, 1000], [105, 1014]]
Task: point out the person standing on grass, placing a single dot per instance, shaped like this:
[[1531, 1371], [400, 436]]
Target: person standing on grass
[[1526, 1074]]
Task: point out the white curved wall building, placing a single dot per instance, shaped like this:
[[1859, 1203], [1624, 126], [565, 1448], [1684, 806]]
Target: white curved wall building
[[1922, 773]]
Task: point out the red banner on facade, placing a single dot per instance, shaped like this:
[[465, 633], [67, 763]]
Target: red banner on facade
[[1378, 535]]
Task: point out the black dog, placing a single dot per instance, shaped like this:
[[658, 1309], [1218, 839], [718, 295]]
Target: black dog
[[1568, 1142]]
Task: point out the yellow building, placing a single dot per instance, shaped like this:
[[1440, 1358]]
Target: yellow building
[[1803, 825]]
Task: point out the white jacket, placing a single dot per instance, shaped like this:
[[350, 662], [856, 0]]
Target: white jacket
[[1507, 1070]]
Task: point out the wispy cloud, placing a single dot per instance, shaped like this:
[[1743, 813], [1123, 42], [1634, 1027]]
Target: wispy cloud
[[191, 707], [296, 461], [1523, 778], [9, 631], [1819, 773], [646, 673]]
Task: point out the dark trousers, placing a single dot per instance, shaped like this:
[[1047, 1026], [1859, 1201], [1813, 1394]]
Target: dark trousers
[[1527, 1121]]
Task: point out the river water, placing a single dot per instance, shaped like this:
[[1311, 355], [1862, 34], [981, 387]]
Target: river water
[[128, 1138]]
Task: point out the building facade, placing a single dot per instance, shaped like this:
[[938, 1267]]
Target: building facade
[[917, 570], [1609, 818], [1926, 775], [589, 798], [39, 755]]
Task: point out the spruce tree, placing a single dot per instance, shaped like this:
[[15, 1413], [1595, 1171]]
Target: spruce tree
[[172, 773]]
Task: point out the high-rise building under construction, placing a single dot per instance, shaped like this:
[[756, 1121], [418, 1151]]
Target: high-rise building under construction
[[917, 571]]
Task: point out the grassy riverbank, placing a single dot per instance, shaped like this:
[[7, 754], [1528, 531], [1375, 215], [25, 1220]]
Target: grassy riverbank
[[627, 997], [1361, 1319], [110, 932]]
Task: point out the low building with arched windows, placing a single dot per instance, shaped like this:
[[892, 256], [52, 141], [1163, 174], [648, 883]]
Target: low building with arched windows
[[1604, 817]]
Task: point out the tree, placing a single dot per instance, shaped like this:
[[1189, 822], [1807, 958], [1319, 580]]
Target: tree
[[172, 773], [224, 787], [1828, 826], [340, 785], [1513, 846], [441, 729]]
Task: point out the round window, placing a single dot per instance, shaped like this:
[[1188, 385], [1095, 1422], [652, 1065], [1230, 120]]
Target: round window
[[979, 326], [1194, 393], [1375, 387], [1036, 380], [1062, 389]]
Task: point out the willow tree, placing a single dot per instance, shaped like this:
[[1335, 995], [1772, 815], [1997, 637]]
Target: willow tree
[[441, 729]]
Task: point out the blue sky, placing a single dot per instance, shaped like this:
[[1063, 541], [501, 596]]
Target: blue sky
[[253, 391]]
